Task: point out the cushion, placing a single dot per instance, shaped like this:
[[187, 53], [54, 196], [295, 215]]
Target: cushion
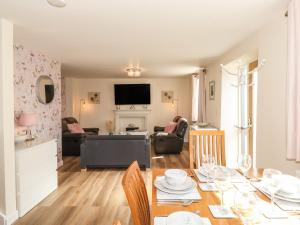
[[75, 128], [170, 128]]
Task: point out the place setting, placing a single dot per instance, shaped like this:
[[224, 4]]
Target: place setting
[[176, 187], [282, 189]]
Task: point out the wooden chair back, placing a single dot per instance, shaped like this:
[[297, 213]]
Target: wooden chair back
[[204, 142], [136, 194]]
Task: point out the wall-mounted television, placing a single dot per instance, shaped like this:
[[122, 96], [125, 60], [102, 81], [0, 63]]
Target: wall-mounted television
[[132, 94]]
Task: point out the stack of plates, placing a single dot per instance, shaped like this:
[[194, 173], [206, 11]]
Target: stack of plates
[[289, 190], [184, 188]]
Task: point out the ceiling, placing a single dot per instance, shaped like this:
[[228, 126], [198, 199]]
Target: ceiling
[[99, 38]]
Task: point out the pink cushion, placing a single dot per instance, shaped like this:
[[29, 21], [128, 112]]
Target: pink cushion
[[171, 127], [75, 128]]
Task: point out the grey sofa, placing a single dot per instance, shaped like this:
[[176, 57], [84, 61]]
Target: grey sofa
[[114, 151]]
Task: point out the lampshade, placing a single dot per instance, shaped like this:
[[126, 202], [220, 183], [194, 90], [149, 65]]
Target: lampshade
[[28, 119]]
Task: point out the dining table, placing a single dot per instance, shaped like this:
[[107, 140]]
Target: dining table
[[200, 207]]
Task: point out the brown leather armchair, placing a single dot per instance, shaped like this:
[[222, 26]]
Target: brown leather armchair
[[171, 143], [71, 142], [161, 129]]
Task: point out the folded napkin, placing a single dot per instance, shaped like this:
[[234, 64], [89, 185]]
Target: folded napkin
[[163, 196], [208, 187], [162, 220], [244, 187], [221, 212], [236, 177]]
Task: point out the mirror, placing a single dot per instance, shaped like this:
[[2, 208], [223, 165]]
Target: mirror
[[45, 89]]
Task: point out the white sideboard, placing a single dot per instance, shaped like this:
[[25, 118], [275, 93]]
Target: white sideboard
[[36, 175]]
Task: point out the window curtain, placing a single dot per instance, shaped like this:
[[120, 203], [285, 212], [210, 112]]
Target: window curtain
[[202, 98], [198, 98], [293, 82], [195, 98]]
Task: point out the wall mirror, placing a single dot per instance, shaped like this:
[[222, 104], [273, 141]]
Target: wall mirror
[[45, 89]]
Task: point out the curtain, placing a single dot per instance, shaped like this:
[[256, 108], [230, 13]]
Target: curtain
[[202, 98], [293, 82], [195, 98]]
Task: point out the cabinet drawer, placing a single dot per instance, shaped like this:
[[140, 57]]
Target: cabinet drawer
[[26, 179], [35, 157]]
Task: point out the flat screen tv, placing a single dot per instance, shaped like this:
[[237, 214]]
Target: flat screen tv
[[132, 94]]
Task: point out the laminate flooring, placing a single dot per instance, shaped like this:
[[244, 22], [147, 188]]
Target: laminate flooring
[[94, 197]]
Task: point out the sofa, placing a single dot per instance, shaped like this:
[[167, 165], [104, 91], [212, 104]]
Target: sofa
[[71, 141], [114, 151], [171, 143]]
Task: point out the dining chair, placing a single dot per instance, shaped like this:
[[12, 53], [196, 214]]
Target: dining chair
[[136, 194], [204, 142]]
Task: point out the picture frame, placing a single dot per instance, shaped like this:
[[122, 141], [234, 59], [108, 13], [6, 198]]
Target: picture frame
[[94, 97], [167, 96], [212, 90]]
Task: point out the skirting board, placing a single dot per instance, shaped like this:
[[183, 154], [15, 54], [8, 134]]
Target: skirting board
[[9, 219]]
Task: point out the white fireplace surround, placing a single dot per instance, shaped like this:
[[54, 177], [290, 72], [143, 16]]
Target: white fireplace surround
[[139, 118]]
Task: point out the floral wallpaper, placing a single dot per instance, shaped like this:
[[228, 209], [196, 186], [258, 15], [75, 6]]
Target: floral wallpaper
[[29, 66]]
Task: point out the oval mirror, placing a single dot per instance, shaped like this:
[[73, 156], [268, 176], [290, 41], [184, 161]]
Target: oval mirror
[[45, 89]]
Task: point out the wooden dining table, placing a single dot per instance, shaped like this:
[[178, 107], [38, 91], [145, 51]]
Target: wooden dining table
[[207, 198]]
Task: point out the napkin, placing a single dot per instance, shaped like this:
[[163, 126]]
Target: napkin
[[235, 178], [163, 196], [208, 187], [162, 220], [219, 211], [244, 187]]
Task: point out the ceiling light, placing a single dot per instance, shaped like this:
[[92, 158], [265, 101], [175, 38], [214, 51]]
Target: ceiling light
[[133, 71], [57, 3]]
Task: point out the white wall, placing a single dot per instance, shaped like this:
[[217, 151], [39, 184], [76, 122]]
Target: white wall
[[94, 115], [271, 108], [8, 211], [270, 43]]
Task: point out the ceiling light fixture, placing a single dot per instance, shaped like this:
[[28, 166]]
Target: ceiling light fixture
[[57, 3], [133, 71]]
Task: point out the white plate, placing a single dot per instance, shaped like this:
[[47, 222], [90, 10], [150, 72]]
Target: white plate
[[159, 186], [285, 198], [188, 184], [290, 184], [184, 218]]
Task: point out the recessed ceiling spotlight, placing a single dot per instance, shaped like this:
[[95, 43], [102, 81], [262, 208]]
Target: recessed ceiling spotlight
[[57, 3]]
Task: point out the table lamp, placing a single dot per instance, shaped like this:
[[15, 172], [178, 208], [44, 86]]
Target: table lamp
[[28, 120]]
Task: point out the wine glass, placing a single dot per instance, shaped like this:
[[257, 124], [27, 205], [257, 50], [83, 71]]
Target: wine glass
[[271, 179], [244, 163], [222, 182], [244, 206], [208, 164]]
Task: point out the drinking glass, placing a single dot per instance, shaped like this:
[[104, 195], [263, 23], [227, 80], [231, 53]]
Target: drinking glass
[[208, 164], [245, 206], [271, 179], [222, 182], [244, 163]]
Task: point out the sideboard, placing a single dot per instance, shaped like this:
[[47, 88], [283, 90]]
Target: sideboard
[[36, 175]]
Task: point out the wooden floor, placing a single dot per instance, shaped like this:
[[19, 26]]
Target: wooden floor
[[92, 197]]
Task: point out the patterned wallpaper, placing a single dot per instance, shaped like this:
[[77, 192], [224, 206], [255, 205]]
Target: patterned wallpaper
[[29, 66]]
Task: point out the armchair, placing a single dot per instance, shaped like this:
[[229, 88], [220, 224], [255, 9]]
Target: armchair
[[161, 129], [71, 142], [171, 143]]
